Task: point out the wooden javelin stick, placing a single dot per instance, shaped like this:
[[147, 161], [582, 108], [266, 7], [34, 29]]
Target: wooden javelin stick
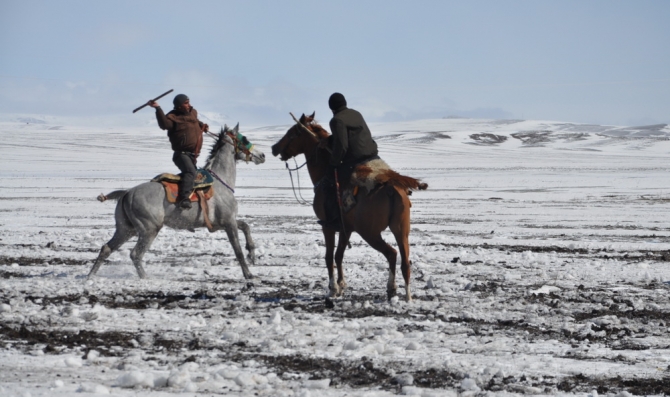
[[303, 126], [155, 99], [339, 200], [310, 131]]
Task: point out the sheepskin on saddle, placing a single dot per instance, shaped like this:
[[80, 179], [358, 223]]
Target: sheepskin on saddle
[[376, 172]]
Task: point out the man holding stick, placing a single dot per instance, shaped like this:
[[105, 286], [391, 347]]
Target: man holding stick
[[185, 133]]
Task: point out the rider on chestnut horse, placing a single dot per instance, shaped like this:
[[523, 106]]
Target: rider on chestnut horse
[[351, 144]]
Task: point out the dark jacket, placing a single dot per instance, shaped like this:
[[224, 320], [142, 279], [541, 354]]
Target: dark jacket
[[184, 130], [352, 140]]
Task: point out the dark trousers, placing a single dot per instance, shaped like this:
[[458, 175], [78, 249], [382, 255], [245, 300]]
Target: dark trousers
[[330, 192], [186, 164], [344, 172]]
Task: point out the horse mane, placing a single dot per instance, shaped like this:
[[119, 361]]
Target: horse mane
[[318, 130], [215, 148]]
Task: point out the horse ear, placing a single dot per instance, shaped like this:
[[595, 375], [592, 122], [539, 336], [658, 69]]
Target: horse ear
[[312, 116], [237, 128], [302, 118], [222, 130], [225, 128]]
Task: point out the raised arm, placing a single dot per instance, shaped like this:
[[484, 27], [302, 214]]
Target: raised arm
[[163, 122]]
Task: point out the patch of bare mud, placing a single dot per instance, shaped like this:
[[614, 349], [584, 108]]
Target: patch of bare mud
[[540, 138], [487, 139]]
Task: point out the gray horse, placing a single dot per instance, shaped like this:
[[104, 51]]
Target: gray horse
[[143, 210]]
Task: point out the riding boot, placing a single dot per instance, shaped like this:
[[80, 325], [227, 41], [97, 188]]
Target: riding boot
[[184, 203]]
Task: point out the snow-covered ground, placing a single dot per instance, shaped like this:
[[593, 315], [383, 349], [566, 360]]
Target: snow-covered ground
[[540, 266]]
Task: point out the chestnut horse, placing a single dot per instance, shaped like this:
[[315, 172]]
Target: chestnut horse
[[385, 206]]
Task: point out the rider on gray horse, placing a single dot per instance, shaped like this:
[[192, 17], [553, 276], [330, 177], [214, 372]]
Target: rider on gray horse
[[351, 144], [185, 133]]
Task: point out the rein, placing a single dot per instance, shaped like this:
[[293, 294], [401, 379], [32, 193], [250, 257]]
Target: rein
[[300, 200], [221, 180], [296, 168]]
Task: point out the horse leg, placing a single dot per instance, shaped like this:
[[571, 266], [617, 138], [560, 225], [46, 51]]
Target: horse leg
[[144, 241], [231, 231], [119, 238], [329, 237], [403, 246], [405, 265], [251, 247], [339, 257], [401, 233], [400, 226], [378, 243]]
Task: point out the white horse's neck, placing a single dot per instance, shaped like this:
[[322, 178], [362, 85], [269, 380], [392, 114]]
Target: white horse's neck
[[223, 163]]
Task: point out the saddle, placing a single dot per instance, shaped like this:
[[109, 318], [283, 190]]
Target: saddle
[[203, 182], [375, 173], [364, 175], [372, 175], [202, 190]]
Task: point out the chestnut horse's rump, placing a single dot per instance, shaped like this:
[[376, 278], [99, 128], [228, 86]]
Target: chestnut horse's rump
[[376, 172]]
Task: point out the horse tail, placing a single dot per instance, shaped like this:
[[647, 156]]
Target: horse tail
[[115, 195], [401, 181]]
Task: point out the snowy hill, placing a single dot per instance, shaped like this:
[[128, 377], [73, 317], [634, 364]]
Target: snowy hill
[[539, 258]]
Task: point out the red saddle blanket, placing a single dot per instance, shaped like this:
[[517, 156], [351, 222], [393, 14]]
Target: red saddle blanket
[[172, 190], [203, 181]]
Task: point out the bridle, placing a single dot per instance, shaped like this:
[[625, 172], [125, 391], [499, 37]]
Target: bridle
[[241, 146], [238, 144]]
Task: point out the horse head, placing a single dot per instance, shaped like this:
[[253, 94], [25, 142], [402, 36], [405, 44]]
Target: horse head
[[300, 138], [232, 139]]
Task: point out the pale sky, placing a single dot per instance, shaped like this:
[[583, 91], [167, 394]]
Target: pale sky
[[605, 62]]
